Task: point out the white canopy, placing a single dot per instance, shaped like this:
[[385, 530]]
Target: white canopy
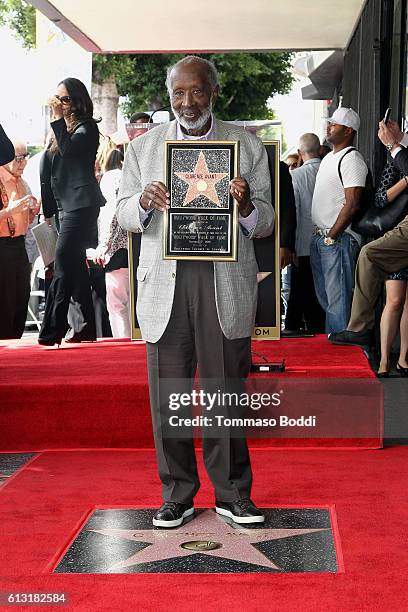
[[170, 26]]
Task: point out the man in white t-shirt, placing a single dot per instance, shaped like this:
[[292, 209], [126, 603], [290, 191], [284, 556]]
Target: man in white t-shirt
[[378, 258], [334, 247]]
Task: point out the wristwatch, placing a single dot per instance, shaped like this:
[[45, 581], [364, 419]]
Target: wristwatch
[[329, 241], [390, 145]]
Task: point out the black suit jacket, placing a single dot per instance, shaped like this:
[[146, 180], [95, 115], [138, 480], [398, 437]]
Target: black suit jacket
[[401, 161], [6, 148], [287, 208], [69, 174]]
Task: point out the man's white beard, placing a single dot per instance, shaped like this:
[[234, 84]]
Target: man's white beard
[[199, 123]]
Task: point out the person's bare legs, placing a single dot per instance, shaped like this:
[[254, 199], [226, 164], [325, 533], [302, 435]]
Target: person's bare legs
[[396, 292], [402, 359], [377, 260]]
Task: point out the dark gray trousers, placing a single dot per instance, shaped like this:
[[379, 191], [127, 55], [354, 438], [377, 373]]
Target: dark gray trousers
[[194, 337]]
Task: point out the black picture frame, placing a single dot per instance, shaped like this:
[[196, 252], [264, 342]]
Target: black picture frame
[[202, 221]]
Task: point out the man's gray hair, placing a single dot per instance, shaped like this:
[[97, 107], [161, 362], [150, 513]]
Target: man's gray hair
[[194, 59], [309, 143]]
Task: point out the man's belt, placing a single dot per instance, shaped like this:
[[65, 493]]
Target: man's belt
[[321, 232], [20, 237]]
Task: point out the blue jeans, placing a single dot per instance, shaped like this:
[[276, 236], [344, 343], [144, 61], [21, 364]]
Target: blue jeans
[[333, 274]]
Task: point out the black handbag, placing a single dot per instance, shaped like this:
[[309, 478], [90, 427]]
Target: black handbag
[[377, 221], [373, 220]]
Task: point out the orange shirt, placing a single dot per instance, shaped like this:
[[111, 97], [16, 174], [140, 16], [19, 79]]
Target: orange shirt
[[19, 188]]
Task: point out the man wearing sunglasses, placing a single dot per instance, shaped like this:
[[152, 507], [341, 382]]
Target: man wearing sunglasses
[[18, 209]]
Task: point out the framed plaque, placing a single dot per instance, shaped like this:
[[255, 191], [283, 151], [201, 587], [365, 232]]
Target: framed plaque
[[202, 221], [267, 322]]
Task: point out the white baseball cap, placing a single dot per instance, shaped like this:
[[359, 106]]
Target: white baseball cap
[[346, 117]]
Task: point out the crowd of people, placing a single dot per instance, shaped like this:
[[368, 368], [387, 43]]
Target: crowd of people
[[331, 191], [87, 287]]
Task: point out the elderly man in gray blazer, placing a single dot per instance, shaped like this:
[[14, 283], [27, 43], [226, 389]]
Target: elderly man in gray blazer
[[196, 313]]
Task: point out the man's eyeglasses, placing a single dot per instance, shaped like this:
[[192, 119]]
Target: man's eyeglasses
[[64, 99], [20, 158]]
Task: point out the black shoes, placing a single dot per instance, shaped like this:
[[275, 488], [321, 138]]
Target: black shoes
[[76, 339], [242, 511], [401, 370], [172, 514], [46, 342], [291, 333], [363, 339], [88, 334]]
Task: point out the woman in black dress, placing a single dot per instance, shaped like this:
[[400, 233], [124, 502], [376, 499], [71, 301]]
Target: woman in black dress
[[395, 314], [69, 188]]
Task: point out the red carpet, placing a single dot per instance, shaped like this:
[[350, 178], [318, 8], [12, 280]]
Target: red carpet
[[96, 395], [42, 506]]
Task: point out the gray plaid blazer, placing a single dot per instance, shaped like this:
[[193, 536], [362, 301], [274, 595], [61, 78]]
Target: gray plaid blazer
[[235, 282]]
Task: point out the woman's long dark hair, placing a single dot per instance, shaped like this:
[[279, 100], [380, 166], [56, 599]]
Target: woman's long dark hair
[[81, 105]]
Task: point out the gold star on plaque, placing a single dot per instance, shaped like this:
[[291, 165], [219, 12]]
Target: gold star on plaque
[[201, 182]]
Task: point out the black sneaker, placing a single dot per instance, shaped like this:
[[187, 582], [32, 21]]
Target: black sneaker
[[241, 511], [352, 338], [172, 514]]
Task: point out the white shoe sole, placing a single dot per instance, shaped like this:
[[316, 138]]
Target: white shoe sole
[[240, 519], [176, 522]]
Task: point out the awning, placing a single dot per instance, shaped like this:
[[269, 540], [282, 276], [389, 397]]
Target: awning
[[170, 26], [325, 71]]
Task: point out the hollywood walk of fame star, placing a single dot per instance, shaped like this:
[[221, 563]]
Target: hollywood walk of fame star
[[201, 182], [236, 542]]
